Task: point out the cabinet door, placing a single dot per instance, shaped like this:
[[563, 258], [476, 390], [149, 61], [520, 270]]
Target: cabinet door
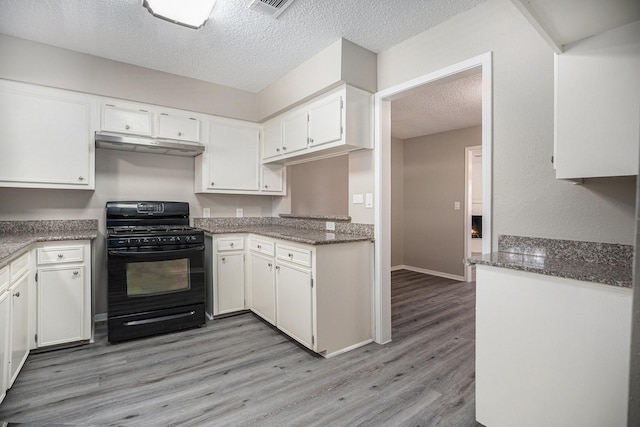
[[263, 292], [272, 139], [19, 344], [230, 284], [60, 305], [294, 132], [294, 303], [126, 120], [233, 157], [273, 179], [325, 121], [46, 138], [5, 303], [181, 128]]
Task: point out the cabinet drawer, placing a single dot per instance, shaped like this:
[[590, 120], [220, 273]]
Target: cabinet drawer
[[295, 255], [4, 279], [230, 243], [19, 266], [261, 246], [60, 255], [123, 120]]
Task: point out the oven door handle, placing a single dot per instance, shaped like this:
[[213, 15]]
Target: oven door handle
[[116, 252]]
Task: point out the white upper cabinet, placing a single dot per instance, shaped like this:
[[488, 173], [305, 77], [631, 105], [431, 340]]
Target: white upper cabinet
[[272, 139], [294, 132], [127, 118], [597, 106], [233, 156], [325, 121], [273, 179], [336, 122], [178, 127], [46, 137]]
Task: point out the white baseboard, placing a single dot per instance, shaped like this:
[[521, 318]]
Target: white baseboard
[[425, 271], [99, 317]]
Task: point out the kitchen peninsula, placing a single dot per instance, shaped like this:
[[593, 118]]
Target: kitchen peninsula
[[312, 284], [553, 321]]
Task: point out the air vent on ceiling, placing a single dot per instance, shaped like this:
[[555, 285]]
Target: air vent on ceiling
[[270, 7]]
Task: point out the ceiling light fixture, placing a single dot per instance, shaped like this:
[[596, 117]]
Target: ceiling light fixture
[[189, 13]]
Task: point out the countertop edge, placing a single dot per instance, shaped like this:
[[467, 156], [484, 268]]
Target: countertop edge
[[571, 272], [274, 235]]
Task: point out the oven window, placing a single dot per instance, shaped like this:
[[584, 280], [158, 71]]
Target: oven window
[[157, 277]]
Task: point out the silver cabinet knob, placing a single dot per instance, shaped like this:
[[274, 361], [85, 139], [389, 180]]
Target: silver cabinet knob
[[179, 133], [278, 150], [75, 273], [310, 140], [212, 183], [231, 244], [284, 148], [127, 127], [266, 186], [81, 178], [277, 267], [270, 265], [223, 259], [290, 255], [17, 295], [259, 246], [60, 256]]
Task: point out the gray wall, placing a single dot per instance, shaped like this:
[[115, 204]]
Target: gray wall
[[397, 202], [320, 187], [527, 199], [434, 169]]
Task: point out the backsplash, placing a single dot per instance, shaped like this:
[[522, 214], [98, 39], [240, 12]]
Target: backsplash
[[39, 226], [309, 224], [570, 250]]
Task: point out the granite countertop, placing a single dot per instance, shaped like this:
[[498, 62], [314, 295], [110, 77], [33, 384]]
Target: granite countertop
[[17, 236], [609, 264], [293, 234]]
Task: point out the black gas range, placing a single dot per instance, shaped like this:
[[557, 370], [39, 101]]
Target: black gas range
[[156, 271]]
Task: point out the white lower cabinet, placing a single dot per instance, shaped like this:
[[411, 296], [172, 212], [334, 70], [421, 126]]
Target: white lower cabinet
[[263, 288], [63, 293], [19, 341], [295, 302], [228, 275], [5, 311]]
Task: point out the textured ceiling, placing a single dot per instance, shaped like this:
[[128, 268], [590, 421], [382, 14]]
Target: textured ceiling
[[238, 47], [438, 107]]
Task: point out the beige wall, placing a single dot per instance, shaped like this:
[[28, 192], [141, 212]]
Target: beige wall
[[434, 170], [38, 63], [320, 187], [397, 202], [527, 199], [341, 62]]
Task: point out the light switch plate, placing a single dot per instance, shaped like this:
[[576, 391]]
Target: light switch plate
[[206, 212], [368, 200], [239, 213], [456, 206], [358, 199]]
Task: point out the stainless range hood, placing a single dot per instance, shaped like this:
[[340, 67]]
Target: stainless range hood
[[141, 144]]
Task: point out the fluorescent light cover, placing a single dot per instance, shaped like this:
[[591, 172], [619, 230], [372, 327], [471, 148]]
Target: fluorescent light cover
[[190, 13]]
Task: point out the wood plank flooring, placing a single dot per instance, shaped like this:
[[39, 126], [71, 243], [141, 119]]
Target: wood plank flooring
[[239, 371]]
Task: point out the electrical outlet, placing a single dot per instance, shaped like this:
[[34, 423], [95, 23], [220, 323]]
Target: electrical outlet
[[206, 212], [331, 226], [239, 213]]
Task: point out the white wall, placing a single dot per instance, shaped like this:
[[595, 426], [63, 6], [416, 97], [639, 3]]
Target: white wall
[[527, 199]]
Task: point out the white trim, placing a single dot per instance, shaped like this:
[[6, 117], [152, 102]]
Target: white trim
[[100, 317], [346, 349], [426, 271], [468, 181], [539, 24], [382, 212]]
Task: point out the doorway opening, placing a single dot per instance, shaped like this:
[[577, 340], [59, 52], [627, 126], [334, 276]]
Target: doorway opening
[[383, 99]]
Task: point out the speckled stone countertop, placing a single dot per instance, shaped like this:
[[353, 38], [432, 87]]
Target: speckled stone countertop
[[605, 263], [279, 228], [318, 217], [17, 236]]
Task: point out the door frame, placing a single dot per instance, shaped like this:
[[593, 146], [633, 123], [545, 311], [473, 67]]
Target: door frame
[[468, 207], [382, 174]]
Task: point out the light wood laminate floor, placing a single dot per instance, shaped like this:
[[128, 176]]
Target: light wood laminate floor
[[239, 371]]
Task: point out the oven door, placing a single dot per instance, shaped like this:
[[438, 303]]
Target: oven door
[[147, 280]]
